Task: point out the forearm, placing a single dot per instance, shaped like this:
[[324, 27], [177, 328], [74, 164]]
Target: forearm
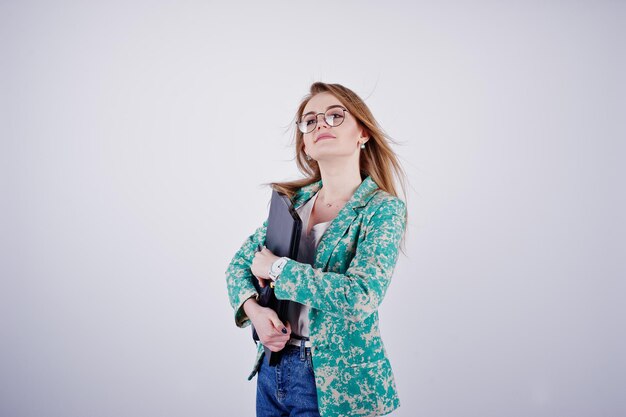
[[353, 295], [250, 307], [357, 292]]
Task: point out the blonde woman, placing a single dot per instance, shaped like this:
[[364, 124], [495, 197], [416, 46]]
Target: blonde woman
[[334, 362]]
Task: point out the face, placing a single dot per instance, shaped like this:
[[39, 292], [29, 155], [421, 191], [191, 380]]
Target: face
[[326, 141]]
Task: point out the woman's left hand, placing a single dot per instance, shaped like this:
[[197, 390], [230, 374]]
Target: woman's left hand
[[261, 264]]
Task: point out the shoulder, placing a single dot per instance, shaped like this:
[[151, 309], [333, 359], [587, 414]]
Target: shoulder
[[384, 211], [384, 203]]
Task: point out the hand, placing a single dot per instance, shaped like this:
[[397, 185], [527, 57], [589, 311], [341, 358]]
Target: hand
[[272, 333], [261, 265]]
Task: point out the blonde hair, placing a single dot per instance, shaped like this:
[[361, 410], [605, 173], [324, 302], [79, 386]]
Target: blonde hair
[[377, 160]]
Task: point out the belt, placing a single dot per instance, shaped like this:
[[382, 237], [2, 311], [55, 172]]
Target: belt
[[298, 340]]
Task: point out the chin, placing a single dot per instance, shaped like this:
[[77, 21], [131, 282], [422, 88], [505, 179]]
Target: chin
[[322, 157]]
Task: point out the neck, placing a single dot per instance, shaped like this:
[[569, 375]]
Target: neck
[[339, 182]]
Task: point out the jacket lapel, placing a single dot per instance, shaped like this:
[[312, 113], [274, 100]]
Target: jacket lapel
[[342, 222], [304, 194]]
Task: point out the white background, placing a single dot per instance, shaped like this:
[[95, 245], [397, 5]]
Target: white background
[[135, 139]]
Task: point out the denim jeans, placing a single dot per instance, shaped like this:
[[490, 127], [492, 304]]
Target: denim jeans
[[287, 389]]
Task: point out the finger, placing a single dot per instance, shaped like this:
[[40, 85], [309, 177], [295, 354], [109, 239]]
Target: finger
[[261, 282], [279, 325]]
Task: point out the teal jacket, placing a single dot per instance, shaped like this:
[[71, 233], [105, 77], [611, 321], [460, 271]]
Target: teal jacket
[[353, 266]]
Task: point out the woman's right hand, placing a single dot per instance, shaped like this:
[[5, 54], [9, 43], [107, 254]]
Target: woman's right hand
[[273, 334]]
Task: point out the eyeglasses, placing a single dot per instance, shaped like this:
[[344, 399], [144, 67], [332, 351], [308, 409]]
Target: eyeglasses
[[333, 116]]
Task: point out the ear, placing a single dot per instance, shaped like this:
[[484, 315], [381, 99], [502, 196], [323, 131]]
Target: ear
[[363, 134]]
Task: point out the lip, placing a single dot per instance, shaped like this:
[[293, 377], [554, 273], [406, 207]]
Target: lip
[[324, 136]]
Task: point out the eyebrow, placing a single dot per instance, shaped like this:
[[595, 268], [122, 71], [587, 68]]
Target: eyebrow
[[327, 108]]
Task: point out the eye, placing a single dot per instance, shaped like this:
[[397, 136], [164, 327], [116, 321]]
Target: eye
[[335, 114]]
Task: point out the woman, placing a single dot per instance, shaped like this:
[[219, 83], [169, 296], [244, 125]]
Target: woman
[[333, 362]]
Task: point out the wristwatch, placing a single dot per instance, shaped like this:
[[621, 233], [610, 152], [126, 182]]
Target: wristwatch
[[277, 268]]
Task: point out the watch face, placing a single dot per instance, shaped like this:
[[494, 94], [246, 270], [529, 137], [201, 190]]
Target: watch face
[[277, 267]]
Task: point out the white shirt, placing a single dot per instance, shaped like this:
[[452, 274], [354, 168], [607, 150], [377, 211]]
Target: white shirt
[[298, 314]]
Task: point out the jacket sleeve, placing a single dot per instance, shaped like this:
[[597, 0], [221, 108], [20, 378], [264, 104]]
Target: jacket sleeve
[[357, 293], [239, 277]]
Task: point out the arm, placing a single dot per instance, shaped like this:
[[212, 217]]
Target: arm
[[239, 277], [357, 293], [242, 294]]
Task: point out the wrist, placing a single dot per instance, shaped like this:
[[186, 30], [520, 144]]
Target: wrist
[[277, 268], [250, 306]]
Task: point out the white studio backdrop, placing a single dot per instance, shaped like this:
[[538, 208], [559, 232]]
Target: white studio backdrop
[[135, 139]]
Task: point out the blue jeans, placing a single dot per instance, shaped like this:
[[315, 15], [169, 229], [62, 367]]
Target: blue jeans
[[287, 389]]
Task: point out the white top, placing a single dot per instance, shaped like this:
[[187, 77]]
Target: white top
[[298, 314]]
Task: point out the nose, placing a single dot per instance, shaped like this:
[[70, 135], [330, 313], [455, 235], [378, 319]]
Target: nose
[[323, 120]]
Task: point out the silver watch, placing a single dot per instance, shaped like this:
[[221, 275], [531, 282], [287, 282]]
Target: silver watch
[[277, 268]]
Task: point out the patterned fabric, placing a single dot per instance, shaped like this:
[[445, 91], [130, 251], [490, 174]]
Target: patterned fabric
[[353, 266]]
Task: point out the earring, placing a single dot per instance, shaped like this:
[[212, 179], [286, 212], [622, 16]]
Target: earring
[[363, 145], [308, 158]]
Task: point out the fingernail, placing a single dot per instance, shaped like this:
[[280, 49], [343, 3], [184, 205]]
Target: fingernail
[[284, 330]]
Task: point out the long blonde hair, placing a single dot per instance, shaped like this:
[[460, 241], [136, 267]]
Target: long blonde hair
[[377, 160]]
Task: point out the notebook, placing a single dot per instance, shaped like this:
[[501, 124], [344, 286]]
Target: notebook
[[282, 238]]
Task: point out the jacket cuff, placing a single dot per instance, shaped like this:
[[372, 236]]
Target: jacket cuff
[[285, 285], [241, 319]]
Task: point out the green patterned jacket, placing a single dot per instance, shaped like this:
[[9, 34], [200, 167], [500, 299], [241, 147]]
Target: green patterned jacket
[[353, 266]]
